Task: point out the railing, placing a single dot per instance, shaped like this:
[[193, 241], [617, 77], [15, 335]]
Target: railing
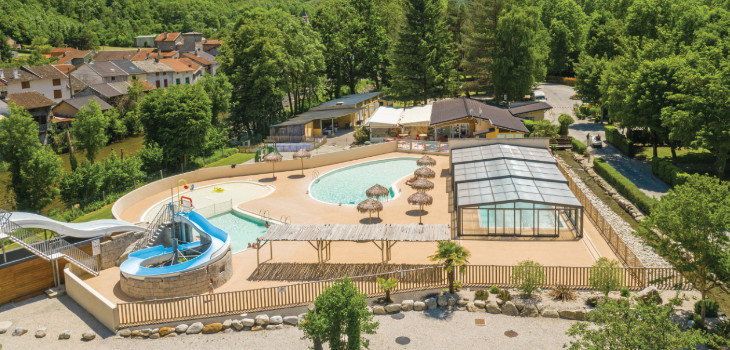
[[613, 239], [163, 217], [215, 208], [423, 146]]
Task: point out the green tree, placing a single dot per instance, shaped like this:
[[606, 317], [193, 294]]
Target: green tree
[[387, 286], [18, 139], [564, 20], [689, 226], [588, 72], [606, 275], [5, 54], [90, 130], [565, 121], [339, 310], [620, 325], [304, 65], [423, 58], [152, 157], [452, 256], [218, 89], [480, 44], [528, 276], [545, 128], [178, 119]]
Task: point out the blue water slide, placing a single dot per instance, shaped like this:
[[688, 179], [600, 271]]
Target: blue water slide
[[220, 243]]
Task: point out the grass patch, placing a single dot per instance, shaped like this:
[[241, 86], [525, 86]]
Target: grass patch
[[237, 158], [686, 154], [623, 185], [104, 212], [115, 48], [131, 145]]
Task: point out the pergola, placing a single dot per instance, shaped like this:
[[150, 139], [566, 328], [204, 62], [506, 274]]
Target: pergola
[[320, 237]]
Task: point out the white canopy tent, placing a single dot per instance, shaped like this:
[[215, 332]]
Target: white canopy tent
[[416, 116], [384, 117]]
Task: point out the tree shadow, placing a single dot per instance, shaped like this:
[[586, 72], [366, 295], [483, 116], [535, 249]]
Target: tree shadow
[[298, 176], [414, 212], [366, 221]]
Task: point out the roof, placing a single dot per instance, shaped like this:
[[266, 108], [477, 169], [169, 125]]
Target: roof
[[418, 115], [192, 33], [142, 54], [23, 75], [458, 108], [200, 60], [128, 67], [69, 55], [167, 37], [114, 55], [212, 43], [46, 72], [78, 102], [529, 107], [146, 36], [65, 68], [190, 63], [106, 90], [58, 51], [106, 69], [502, 173], [30, 100], [336, 232], [147, 85], [385, 117], [307, 117], [349, 100], [121, 86], [77, 84], [153, 67], [177, 65]]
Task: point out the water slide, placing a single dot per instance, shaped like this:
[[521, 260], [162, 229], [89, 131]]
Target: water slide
[[219, 245], [78, 230]]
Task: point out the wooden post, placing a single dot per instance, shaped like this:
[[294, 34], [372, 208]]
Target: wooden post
[[257, 253]]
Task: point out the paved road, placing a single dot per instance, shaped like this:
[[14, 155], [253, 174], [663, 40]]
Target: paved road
[[635, 170]]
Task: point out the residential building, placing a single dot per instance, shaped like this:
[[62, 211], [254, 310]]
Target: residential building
[[132, 55], [76, 57], [466, 118], [13, 44], [204, 59], [158, 74], [112, 93], [134, 72], [212, 46], [534, 111], [69, 108], [47, 80], [169, 41], [185, 71], [192, 42], [59, 51], [145, 40], [39, 106], [98, 72]]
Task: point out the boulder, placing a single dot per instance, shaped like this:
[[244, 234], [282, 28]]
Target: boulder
[[195, 328], [4, 326], [310, 307], [276, 320], [406, 305], [124, 333], [649, 293], [462, 302], [171, 335], [18, 331], [212, 328], [510, 309], [181, 328], [274, 327], [471, 307], [392, 308], [154, 330], [248, 322], [237, 325], [480, 303], [155, 336], [262, 320], [41, 332], [431, 303], [530, 311], [378, 310], [519, 305], [550, 313], [492, 307], [146, 332], [88, 335], [65, 335], [292, 320], [443, 300], [573, 314], [419, 306], [136, 334], [165, 331], [257, 328], [451, 300], [227, 324]]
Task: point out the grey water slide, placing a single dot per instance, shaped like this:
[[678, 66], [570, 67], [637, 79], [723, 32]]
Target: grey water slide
[[79, 230]]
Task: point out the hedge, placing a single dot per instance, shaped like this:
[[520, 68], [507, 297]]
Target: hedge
[[623, 185], [578, 147], [668, 172], [620, 141]]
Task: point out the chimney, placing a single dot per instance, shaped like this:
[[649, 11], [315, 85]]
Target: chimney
[[15, 73], [165, 37]]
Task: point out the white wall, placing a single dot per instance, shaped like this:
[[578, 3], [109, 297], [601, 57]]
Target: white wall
[[153, 78], [45, 87], [96, 304]]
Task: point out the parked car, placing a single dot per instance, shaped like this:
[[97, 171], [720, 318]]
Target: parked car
[[596, 141], [539, 96]]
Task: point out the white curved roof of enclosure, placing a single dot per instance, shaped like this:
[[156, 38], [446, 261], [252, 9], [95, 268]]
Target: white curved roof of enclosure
[[416, 116], [384, 117]]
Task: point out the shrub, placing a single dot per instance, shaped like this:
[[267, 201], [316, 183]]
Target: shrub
[[623, 185], [594, 301], [457, 285], [625, 292], [387, 286], [528, 276], [606, 275], [668, 172], [529, 124], [361, 134], [711, 308], [504, 295], [562, 293], [614, 137], [565, 120], [494, 290], [481, 294], [578, 147]]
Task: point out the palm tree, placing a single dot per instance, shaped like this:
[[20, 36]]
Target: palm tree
[[451, 255], [387, 286]]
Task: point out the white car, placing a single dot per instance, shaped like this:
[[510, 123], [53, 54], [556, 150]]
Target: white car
[[596, 141], [539, 96]]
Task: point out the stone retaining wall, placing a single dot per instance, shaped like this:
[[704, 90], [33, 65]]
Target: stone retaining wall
[[113, 248], [186, 283]]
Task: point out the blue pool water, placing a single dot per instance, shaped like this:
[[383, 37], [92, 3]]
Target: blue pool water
[[243, 229], [348, 185], [526, 218]]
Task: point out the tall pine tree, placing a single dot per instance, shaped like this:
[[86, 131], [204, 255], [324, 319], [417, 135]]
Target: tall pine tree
[[423, 58], [480, 44]]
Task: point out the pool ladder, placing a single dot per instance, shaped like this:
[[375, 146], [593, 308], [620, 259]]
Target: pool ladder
[[285, 219], [315, 175], [265, 214]]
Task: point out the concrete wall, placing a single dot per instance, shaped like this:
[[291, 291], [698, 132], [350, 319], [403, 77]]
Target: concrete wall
[[93, 302], [113, 248], [542, 142], [223, 172]]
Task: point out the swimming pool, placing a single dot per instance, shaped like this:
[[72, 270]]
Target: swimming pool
[[519, 218], [348, 185], [243, 229]]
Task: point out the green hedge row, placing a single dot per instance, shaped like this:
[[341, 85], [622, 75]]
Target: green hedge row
[[620, 141], [668, 172], [578, 147], [623, 185]]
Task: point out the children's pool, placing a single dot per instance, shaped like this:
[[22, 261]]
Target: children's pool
[[243, 229], [348, 185]]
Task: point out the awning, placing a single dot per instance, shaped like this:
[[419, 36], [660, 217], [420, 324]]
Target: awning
[[385, 117], [416, 116]]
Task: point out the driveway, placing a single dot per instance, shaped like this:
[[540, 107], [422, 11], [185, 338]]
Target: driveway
[[639, 172]]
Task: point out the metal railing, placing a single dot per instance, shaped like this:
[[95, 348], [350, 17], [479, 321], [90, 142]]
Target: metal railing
[[162, 218]]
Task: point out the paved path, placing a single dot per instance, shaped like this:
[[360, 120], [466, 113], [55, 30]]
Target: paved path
[[639, 172]]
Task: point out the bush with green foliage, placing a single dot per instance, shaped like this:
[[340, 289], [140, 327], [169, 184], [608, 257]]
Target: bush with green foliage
[[528, 275], [668, 172], [93, 182], [152, 157], [494, 290], [565, 120], [578, 147], [451, 256], [562, 293], [361, 134], [606, 275], [504, 295], [545, 128], [625, 292], [529, 124], [481, 294], [387, 285], [711, 307], [623, 185], [614, 137]]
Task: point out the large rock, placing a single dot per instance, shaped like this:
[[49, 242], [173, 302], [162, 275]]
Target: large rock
[[18, 331], [443, 300], [41, 332], [65, 335], [124, 333], [492, 307], [181, 328], [248, 322], [406, 305], [462, 302], [212, 328], [550, 313], [471, 307], [88, 335], [519, 305], [227, 324], [195, 328], [4, 326], [431, 303], [146, 332], [262, 320], [530, 311], [419, 306], [510, 309], [649, 293], [378, 310], [237, 325], [292, 320], [165, 331], [392, 308], [274, 327], [257, 328], [480, 303], [451, 300], [171, 335], [155, 336], [276, 320], [573, 314]]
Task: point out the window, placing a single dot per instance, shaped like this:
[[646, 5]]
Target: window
[[157, 74], [500, 136], [177, 81], [113, 78], [157, 83], [57, 94], [510, 136], [519, 136], [187, 80], [56, 82], [25, 85], [165, 82]]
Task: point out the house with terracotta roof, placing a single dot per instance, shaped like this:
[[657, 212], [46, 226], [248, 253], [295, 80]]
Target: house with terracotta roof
[[169, 41], [145, 40], [98, 72], [47, 80], [467, 118], [59, 51], [158, 75], [39, 106], [186, 71], [192, 42], [204, 59], [76, 57], [212, 46]]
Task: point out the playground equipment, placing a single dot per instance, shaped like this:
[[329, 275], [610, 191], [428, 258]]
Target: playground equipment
[[218, 189], [263, 151]]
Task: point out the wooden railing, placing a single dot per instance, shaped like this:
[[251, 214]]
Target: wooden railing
[[604, 228]]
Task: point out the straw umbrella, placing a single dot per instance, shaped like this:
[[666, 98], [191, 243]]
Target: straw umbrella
[[273, 158], [301, 154], [420, 199], [426, 161], [370, 205], [424, 173], [377, 192], [422, 185]]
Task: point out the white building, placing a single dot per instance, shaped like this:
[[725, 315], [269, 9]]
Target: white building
[[158, 74], [47, 80]]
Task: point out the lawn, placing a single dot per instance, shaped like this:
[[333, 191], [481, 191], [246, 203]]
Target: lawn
[[104, 212], [130, 145], [237, 158], [647, 153], [693, 161], [115, 48]]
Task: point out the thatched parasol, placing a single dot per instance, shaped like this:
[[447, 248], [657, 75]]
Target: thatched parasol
[[273, 158], [421, 185], [377, 192], [301, 154], [370, 205], [426, 161], [425, 173], [420, 199]]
